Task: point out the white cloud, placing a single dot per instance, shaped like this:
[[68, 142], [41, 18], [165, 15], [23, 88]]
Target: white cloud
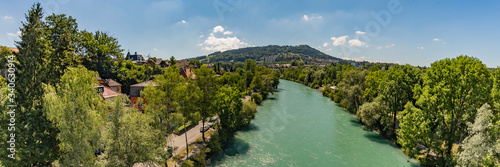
[[379, 47], [201, 36], [154, 49], [339, 40], [390, 46], [182, 22], [7, 17], [356, 43], [369, 45], [218, 29], [325, 44], [329, 49], [311, 17], [18, 33], [436, 40], [420, 47], [360, 32], [362, 58], [214, 43]]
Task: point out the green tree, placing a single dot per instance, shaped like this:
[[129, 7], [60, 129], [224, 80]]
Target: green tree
[[229, 106], [185, 96], [77, 111], [370, 113], [98, 50], [32, 126], [415, 128], [451, 92], [205, 80], [131, 137], [396, 89], [351, 89], [172, 60], [479, 143], [63, 34]]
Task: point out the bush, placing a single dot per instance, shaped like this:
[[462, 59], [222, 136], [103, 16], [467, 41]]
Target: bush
[[257, 98], [187, 163], [248, 112]]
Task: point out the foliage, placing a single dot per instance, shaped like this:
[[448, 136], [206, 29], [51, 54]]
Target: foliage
[[77, 111], [257, 98], [415, 128], [63, 34], [370, 113], [257, 53], [479, 143], [130, 136], [98, 50], [205, 80], [451, 92], [31, 124]]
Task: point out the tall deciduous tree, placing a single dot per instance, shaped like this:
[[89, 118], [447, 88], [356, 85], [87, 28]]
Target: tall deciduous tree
[[36, 142], [396, 89], [131, 136], [78, 112], [99, 49], [185, 94], [205, 80], [479, 143], [452, 90], [229, 106], [63, 34]]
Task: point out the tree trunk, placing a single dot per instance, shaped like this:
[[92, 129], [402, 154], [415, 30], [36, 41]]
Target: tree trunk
[[187, 144]]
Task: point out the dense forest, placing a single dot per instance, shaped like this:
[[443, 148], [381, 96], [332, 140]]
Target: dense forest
[[445, 115], [62, 120], [286, 53]]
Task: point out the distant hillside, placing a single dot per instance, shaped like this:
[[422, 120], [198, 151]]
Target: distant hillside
[[270, 54]]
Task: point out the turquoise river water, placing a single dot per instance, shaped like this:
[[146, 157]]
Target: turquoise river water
[[298, 126]]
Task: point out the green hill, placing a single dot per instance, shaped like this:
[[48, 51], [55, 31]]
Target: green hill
[[271, 53]]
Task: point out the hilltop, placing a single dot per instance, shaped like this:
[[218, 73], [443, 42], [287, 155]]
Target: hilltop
[[271, 54]]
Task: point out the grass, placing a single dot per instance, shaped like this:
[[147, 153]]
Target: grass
[[207, 134], [182, 154], [180, 129]]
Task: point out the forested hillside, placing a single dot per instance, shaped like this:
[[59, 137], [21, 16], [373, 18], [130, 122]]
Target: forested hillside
[[283, 53]]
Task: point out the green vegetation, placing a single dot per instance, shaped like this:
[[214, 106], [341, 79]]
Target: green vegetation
[[283, 53], [432, 106]]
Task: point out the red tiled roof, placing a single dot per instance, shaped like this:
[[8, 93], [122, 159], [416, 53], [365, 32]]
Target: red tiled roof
[[109, 93], [14, 49], [187, 72]]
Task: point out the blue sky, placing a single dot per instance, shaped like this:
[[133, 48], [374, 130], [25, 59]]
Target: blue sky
[[401, 31]]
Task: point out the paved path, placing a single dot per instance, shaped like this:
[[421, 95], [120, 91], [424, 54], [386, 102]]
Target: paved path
[[179, 141]]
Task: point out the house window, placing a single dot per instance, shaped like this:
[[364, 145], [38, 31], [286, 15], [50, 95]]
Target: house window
[[114, 89]]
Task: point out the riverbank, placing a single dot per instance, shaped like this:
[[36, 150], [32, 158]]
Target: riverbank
[[320, 133]]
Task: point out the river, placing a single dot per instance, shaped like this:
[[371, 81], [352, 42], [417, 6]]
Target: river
[[298, 126]]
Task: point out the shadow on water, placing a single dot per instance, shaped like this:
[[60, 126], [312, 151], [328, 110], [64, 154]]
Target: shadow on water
[[270, 98], [379, 139], [236, 147], [356, 123], [251, 127], [278, 90]]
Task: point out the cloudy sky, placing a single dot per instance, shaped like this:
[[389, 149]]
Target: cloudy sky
[[401, 31]]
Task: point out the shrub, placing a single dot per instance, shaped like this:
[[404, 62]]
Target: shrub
[[187, 163], [257, 98]]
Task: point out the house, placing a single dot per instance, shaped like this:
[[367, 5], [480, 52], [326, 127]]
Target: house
[[110, 83], [182, 63], [186, 72], [135, 92], [108, 88], [137, 59], [162, 63]]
